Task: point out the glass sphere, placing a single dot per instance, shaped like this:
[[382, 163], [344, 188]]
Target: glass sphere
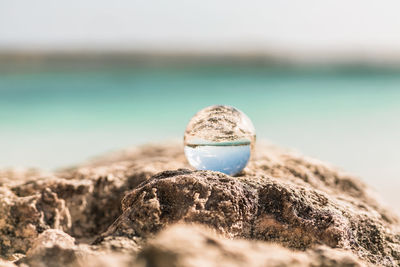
[[219, 138]]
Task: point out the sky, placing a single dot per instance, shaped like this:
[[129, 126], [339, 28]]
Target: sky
[[308, 26]]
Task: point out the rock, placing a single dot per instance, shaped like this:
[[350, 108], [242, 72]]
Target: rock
[[183, 195], [182, 245], [81, 201], [186, 246], [52, 248], [4, 263], [22, 218], [56, 248], [124, 201], [49, 239], [272, 210]]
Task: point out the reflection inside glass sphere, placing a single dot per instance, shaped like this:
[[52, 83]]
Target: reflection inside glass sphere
[[219, 138], [228, 159]]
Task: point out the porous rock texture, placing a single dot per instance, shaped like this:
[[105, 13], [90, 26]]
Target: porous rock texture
[[145, 207]]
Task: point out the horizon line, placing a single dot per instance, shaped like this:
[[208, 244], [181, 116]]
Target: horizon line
[[170, 56]]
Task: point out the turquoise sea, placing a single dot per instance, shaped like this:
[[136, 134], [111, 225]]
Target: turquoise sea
[[54, 117]]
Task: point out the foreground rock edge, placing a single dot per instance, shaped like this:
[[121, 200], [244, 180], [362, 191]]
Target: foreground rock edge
[[282, 197], [184, 245]]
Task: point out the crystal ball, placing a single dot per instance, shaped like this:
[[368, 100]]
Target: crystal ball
[[219, 138]]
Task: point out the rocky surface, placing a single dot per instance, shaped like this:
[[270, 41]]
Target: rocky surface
[[145, 207]]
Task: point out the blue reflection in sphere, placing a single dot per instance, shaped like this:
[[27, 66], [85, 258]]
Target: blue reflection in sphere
[[226, 159]]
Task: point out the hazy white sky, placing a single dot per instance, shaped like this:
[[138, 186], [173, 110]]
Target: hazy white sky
[[201, 25]]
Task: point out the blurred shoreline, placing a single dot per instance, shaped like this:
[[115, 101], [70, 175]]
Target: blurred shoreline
[[35, 60]]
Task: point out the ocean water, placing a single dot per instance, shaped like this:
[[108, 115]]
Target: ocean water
[[54, 117]]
